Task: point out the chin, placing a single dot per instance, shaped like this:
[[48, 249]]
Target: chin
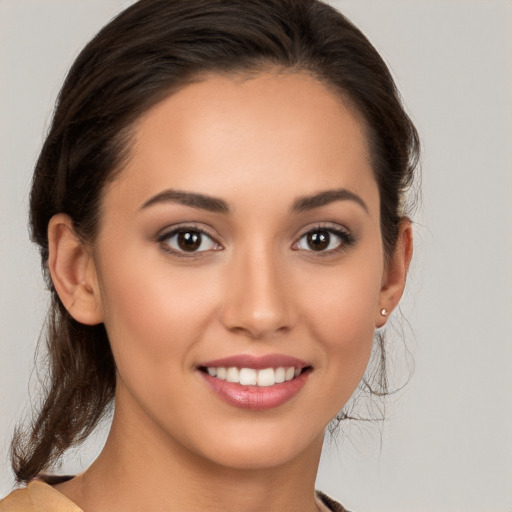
[[259, 452]]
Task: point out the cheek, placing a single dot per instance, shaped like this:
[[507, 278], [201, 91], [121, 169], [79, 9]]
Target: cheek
[[342, 307], [153, 312]]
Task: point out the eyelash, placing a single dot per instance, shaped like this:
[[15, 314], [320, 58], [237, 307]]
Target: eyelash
[[163, 239], [346, 239]]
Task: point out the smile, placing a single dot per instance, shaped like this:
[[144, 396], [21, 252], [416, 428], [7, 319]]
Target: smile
[[255, 382], [252, 377]]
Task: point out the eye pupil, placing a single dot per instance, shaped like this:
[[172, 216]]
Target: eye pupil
[[189, 240], [319, 240]]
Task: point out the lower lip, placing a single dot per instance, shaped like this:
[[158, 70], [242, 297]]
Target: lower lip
[[256, 398]]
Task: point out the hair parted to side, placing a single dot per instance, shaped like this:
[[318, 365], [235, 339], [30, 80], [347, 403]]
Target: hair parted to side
[[149, 51]]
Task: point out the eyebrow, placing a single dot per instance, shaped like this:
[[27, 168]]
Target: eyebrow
[[192, 199], [324, 198], [217, 205]]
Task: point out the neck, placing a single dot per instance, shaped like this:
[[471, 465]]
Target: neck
[[140, 469]]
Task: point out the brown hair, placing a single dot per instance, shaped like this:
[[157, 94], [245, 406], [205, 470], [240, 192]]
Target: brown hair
[[146, 53]]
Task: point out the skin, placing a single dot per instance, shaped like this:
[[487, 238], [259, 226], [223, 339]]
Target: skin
[[257, 288]]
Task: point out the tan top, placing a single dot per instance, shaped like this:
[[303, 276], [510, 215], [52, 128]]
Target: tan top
[[38, 496]]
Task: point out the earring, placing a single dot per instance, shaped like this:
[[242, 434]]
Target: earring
[[384, 312]]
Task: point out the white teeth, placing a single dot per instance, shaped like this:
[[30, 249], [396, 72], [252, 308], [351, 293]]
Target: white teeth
[[266, 377], [280, 375], [248, 377], [232, 375], [290, 373], [251, 377]]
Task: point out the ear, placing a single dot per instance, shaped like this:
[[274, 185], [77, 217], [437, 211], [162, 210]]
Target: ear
[[73, 271], [395, 275]]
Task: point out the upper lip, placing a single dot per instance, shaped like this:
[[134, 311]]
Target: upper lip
[[255, 362]]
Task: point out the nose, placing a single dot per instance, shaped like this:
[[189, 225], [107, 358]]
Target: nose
[[258, 301]]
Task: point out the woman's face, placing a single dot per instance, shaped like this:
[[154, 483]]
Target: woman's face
[[242, 234]]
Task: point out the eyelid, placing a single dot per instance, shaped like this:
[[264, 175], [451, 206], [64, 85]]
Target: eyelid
[[345, 235], [173, 230]]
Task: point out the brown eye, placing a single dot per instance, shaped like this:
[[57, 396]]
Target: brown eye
[[324, 240], [318, 240], [189, 241]]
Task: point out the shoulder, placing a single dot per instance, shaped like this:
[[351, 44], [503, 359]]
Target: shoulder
[[331, 504], [17, 501], [38, 496]]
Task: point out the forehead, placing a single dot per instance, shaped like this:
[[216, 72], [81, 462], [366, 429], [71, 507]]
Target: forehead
[[226, 135]]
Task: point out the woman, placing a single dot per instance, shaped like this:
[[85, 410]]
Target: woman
[[220, 208]]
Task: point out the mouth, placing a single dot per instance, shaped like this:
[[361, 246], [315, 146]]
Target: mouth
[[254, 377], [255, 382]]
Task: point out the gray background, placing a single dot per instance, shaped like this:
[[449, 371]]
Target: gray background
[[447, 443]]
